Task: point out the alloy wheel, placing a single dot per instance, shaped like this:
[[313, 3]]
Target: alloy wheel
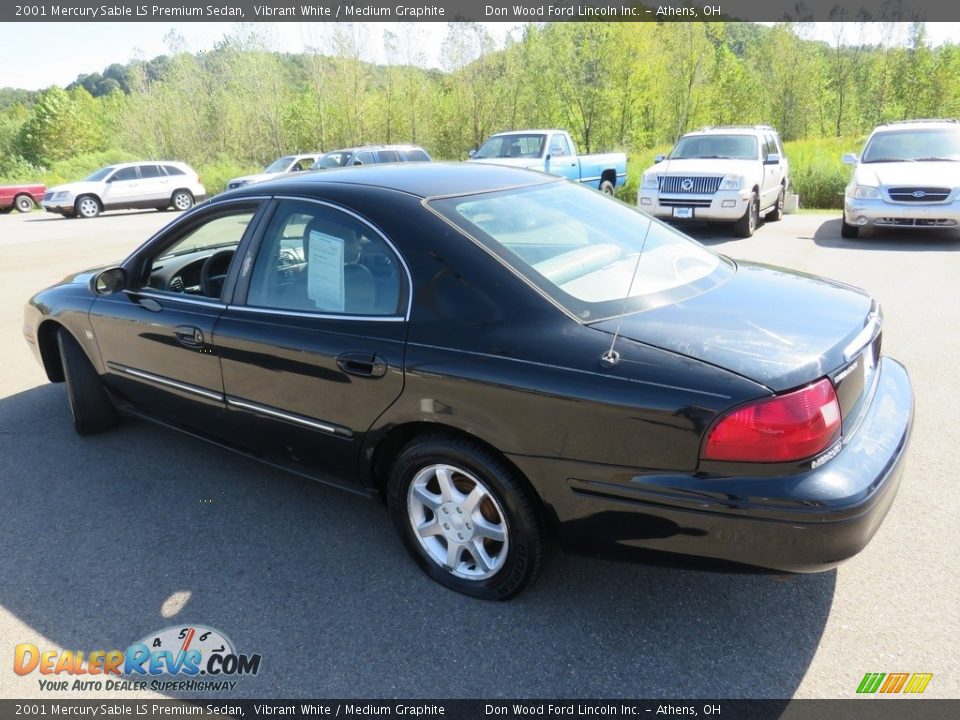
[[458, 522]]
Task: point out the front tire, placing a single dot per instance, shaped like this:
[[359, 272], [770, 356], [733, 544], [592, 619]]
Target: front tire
[[90, 406], [181, 200], [848, 231], [24, 203], [87, 206], [466, 518], [747, 225]]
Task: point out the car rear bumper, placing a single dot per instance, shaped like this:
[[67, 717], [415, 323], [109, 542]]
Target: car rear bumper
[[880, 213], [804, 522]]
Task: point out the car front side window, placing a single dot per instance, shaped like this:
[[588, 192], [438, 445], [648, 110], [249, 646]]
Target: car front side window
[[315, 258]]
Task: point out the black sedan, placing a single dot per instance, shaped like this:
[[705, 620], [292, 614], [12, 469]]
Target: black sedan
[[508, 360]]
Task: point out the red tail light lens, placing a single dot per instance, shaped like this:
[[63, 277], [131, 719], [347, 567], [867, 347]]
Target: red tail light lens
[[784, 428]]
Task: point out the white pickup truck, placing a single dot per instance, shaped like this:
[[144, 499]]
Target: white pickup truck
[[553, 151], [732, 174]]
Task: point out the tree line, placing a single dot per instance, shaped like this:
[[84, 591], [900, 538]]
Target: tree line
[[627, 86]]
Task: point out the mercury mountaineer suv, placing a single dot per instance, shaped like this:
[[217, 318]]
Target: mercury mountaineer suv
[[733, 174], [907, 177]]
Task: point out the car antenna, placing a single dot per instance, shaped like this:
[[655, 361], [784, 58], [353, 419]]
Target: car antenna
[[611, 357]]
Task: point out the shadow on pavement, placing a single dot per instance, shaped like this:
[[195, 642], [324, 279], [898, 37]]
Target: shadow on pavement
[[99, 532], [828, 235]]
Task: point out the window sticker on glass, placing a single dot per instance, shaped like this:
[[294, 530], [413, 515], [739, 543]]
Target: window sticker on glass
[[325, 271]]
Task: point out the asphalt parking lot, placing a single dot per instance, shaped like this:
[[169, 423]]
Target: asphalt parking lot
[[108, 538]]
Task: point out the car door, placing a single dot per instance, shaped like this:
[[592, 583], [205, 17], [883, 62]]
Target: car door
[[154, 185], [771, 173], [122, 188], [312, 351], [155, 337], [562, 160]]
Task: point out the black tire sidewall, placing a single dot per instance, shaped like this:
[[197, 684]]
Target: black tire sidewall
[[524, 533], [606, 187], [25, 201], [90, 408]]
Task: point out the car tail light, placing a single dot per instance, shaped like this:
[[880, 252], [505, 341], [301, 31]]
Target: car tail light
[[784, 428]]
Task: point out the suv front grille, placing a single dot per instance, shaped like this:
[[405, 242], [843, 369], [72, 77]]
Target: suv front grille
[[919, 194], [689, 184]]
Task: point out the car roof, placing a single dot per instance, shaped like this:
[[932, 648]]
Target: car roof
[[425, 180], [360, 148], [733, 130], [919, 124], [535, 131]]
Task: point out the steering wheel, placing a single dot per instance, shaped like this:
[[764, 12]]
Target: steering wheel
[[214, 272]]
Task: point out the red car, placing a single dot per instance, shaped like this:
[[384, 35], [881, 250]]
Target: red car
[[22, 197]]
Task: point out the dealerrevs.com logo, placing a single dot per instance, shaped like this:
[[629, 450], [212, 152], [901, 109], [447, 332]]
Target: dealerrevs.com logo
[[195, 658]]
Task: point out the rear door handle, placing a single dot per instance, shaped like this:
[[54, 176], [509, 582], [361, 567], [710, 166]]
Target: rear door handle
[[363, 364], [188, 335]]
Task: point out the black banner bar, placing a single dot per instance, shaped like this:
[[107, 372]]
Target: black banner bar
[[478, 10], [854, 709]]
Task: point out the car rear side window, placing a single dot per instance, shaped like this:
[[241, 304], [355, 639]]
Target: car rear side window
[[416, 155], [315, 258], [388, 156], [150, 171]]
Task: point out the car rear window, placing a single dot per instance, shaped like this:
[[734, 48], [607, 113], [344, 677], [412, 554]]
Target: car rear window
[[593, 255]]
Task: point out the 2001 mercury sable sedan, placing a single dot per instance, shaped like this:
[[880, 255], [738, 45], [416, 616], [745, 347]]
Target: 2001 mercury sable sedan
[[507, 359]]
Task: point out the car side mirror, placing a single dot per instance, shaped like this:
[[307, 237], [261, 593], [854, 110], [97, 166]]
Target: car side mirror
[[658, 158], [471, 153], [772, 159], [849, 159], [110, 281]]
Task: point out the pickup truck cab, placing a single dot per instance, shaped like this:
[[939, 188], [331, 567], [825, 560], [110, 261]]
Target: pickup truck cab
[[553, 151], [22, 197], [732, 174]]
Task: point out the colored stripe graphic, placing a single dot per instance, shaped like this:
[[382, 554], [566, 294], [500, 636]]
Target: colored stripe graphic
[[894, 683], [918, 683], [870, 682]]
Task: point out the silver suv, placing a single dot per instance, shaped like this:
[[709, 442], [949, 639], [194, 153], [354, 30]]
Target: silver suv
[[907, 177], [734, 173]]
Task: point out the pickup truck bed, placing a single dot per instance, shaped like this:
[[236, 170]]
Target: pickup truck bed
[[22, 197]]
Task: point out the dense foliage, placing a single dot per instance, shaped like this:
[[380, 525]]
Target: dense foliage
[[612, 85]]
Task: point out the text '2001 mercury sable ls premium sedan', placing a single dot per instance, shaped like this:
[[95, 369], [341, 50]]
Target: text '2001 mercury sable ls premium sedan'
[[507, 359]]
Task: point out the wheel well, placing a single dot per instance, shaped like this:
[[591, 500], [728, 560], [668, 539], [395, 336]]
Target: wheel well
[[610, 175], [389, 446], [89, 195], [186, 190], [50, 350], [22, 194]]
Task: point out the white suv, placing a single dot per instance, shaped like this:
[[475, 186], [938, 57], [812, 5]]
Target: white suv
[[125, 186], [907, 177], [729, 174]]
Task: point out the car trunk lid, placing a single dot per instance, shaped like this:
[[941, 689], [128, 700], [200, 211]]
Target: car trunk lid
[[777, 327]]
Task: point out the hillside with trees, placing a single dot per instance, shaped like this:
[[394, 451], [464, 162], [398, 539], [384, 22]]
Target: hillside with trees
[[628, 86]]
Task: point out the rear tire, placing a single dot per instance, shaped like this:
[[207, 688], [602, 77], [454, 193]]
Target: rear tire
[[747, 225], [90, 406], [466, 518], [776, 214], [606, 187], [181, 200], [848, 231], [24, 203]]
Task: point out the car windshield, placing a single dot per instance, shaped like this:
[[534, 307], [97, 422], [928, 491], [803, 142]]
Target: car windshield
[[913, 146], [279, 165], [586, 251], [511, 146], [331, 160], [99, 174], [728, 147]]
